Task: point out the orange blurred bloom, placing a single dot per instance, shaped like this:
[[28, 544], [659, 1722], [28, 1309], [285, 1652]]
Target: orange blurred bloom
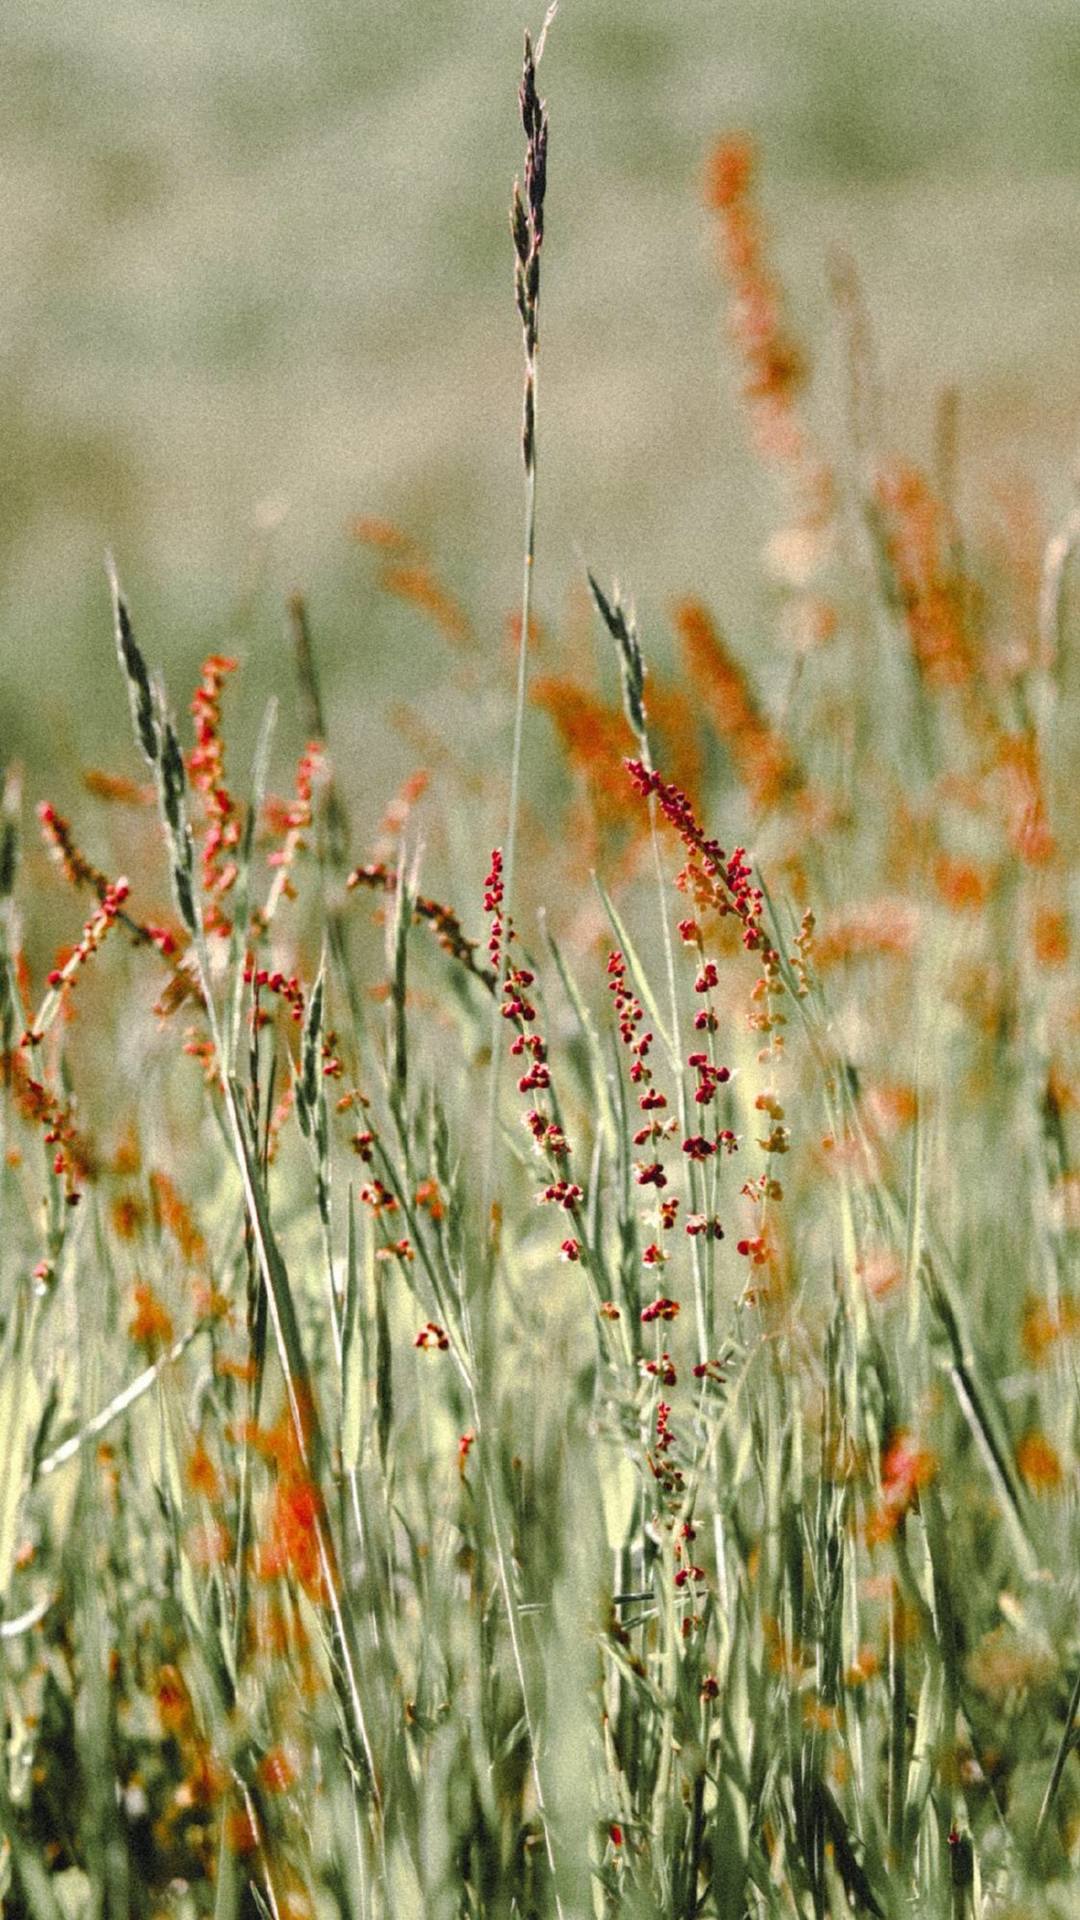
[[201, 1473], [878, 928], [962, 885], [1050, 937], [1039, 1463], [1043, 1328], [1025, 807], [597, 740], [176, 1217], [151, 1324], [209, 1545], [918, 537], [173, 1700], [760, 756], [127, 1214], [906, 1468], [418, 586], [240, 1834], [373, 532], [277, 1771]]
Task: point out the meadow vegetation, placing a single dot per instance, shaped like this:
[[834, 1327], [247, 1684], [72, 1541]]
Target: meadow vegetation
[[540, 1312]]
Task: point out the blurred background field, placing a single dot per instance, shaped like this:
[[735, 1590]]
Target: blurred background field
[[256, 280]]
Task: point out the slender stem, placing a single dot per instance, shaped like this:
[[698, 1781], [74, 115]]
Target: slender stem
[[1065, 1746], [518, 1654], [510, 854]]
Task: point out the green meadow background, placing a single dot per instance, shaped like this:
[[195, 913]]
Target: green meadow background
[[256, 279]]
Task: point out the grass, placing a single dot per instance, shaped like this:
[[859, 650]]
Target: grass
[[557, 1394]]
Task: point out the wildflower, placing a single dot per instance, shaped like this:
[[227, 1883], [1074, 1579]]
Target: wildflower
[[127, 1215], [698, 1148], [209, 1545], [201, 1473], [176, 1217], [650, 1174], [402, 1249], [1043, 1327], [709, 1370], [296, 822], [377, 1198], [709, 1077], [293, 1538], [277, 1771], [570, 1250], [778, 1140], [173, 1700], [961, 884], [905, 1469], [760, 756], [151, 1324], [241, 1835], [206, 767], [660, 1309], [562, 1193], [919, 539], [77, 870], [684, 1575], [417, 585], [429, 1197], [65, 972], [596, 739], [432, 1338], [663, 1370], [700, 1223], [1050, 937], [1039, 1463], [493, 903], [757, 1248]]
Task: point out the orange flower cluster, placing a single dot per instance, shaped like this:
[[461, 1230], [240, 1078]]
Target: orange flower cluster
[[292, 1542], [116, 788], [1044, 1327], [409, 576], [151, 1324], [906, 1468], [775, 370], [962, 885], [759, 754], [1039, 1463], [1026, 825], [596, 739], [177, 1218], [918, 538], [880, 928], [775, 374]]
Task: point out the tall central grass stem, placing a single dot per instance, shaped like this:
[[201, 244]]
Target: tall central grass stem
[[527, 231]]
